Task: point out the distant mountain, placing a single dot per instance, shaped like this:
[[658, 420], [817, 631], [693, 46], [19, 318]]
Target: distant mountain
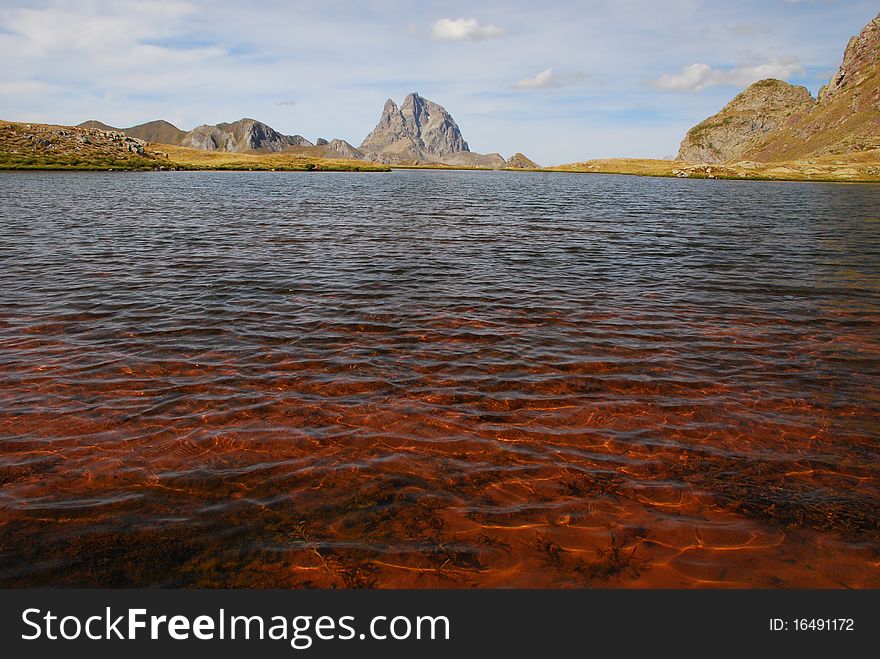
[[519, 161], [242, 135], [471, 159], [774, 121], [98, 125], [160, 131], [157, 131], [418, 132], [341, 149], [422, 132]]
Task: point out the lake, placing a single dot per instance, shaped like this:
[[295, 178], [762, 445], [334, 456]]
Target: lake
[[437, 379]]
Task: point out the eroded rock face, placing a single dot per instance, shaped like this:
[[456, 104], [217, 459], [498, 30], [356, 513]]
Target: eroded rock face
[[754, 113], [859, 59], [242, 135], [418, 132]]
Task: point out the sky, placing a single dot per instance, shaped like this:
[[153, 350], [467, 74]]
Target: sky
[[558, 81]]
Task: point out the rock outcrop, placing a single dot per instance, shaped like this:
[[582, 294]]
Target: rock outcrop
[[773, 121], [519, 161], [75, 147], [749, 117], [242, 135], [859, 59], [418, 132]]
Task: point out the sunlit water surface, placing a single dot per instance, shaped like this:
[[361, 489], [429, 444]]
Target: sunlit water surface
[[437, 379]]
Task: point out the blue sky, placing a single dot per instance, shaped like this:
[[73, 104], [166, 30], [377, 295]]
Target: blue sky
[[559, 81]]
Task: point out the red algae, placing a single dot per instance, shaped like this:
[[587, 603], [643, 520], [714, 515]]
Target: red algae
[[316, 423], [182, 471]]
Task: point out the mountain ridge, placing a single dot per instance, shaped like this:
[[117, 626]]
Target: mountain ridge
[[773, 121]]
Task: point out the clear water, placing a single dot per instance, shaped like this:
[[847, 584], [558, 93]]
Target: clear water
[[437, 379]]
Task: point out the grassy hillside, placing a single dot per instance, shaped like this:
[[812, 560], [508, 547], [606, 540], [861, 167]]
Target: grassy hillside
[[39, 146], [42, 146]]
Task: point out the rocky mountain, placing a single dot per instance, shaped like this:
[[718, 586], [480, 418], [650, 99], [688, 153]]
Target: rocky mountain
[[846, 116], [422, 132], [242, 135], [418, 132], [754, 113], [774, 121]]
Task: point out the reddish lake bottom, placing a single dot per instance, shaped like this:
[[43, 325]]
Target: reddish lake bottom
[[272, 397]]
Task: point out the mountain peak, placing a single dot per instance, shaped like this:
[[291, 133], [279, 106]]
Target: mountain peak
[[418, 131], [859, 61], [756, 111], [246, 134], [774, 121]]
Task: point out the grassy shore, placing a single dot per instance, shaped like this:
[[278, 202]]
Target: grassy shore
[[183, 158], [862, 167]]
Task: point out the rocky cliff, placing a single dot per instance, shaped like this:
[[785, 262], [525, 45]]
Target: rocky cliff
[[749, 117], [418, 132], [774, 121]]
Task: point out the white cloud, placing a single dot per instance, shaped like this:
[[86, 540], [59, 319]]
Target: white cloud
[[464, 29], [697, 77], [287, 102], [544, 80], [547, 79]]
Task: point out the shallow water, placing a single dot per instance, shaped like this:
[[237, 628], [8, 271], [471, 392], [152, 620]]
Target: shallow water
[[437, 379]]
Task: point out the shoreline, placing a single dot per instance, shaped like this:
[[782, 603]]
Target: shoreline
[[44, 147], [390, 168]]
